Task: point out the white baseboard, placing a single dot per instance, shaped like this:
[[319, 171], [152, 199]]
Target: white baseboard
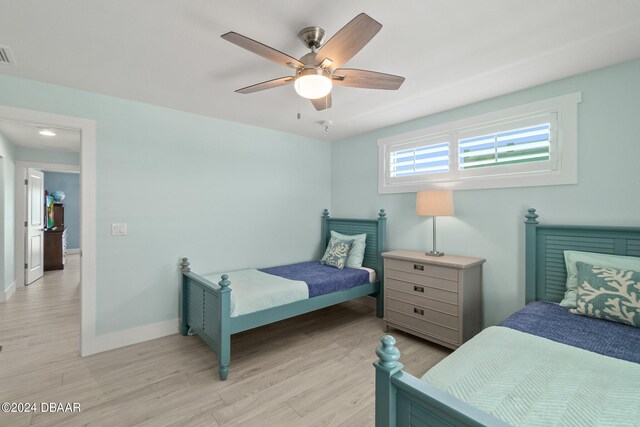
[[73, 251], [131, 336], [6, 294]]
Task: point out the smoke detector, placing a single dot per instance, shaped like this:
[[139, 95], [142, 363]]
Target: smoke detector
[[325, 124]]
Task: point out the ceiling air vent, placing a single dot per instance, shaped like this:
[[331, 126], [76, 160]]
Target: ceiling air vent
[[6, 57]]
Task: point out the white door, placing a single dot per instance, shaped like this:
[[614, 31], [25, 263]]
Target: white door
[[35, 224]]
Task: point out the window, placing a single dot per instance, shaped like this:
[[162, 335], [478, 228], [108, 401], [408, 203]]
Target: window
[[429, 157], [514, 146], [533, 144]]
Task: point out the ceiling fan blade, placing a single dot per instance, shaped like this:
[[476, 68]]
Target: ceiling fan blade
[[349, 40], [269, 84], [262, 50], [366, 79], [322, 103]]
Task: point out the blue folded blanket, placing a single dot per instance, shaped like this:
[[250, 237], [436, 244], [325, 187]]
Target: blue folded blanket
[[321, 279], [551, 321]]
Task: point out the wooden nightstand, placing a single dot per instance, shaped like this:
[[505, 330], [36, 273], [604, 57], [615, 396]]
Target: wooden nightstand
[[435, 298]]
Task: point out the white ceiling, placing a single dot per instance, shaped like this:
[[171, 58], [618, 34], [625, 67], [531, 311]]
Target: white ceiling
[[27, 135], [452, 53]]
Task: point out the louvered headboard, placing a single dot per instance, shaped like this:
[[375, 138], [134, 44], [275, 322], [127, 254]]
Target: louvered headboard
[[545, 270]]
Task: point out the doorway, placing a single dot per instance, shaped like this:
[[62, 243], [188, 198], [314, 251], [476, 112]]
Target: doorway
[[52, 217], [87, 227]]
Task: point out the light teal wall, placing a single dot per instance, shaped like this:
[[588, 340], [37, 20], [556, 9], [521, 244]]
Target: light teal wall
[[227, 195], [47, 156], [7, 212], [489, 223], [69, 183]]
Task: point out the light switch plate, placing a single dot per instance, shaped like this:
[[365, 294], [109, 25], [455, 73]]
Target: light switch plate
[[119, 229]]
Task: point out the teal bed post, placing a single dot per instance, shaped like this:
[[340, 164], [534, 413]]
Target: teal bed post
[[387, 366], [184, 268], [382, 233], [325, 229], [224, 319], [530, 255]]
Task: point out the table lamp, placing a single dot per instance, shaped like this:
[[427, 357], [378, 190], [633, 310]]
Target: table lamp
[[434, 203]]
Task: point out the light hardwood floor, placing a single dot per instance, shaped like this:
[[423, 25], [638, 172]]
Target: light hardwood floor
[[311, 370]]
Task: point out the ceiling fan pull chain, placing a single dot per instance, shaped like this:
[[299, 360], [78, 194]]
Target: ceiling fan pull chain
[[299, 115]]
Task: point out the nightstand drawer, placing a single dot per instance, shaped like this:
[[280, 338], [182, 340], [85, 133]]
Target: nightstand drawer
[[422, 313], [422, 269], [432, 282], [422, 326], [424, 302], [422, 291]]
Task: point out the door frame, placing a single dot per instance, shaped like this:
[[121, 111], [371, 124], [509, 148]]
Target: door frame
[[87, 171]]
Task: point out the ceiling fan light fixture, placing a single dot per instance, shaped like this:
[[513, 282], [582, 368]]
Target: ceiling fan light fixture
[[313, 83]]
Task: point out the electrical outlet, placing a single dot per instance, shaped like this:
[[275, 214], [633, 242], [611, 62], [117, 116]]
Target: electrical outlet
[[119, 229]]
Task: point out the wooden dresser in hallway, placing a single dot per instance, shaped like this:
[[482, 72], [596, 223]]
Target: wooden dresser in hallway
[[55, 241]]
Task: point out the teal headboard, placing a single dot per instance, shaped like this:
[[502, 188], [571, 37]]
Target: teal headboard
[[545, 270], [376, 236]]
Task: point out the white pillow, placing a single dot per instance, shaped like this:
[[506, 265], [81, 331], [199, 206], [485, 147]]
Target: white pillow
[[356, 254]]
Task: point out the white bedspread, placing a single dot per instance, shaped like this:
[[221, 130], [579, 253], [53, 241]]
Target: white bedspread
[[253, 290]]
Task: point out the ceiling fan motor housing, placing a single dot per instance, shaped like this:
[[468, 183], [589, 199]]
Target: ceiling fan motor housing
[[312, 37]]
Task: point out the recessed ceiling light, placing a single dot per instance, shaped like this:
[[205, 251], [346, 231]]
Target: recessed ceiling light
[[47, 132]]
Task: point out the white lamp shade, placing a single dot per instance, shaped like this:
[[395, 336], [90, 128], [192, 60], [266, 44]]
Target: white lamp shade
[[434, 203]]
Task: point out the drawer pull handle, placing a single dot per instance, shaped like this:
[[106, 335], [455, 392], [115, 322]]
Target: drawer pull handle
[[418, 267], [418, 311], [418, 289]]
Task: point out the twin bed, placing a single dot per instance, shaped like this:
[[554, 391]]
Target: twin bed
[[542, 366], [247, 299]]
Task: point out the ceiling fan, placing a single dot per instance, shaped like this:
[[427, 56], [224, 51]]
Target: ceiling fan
[[317, 71]]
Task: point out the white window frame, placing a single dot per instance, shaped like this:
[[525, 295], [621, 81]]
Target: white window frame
[[560, 169]]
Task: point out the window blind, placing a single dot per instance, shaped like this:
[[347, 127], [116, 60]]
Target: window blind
[[524, 145], [420, 160]]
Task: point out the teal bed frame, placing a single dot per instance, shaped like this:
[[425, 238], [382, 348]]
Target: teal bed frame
[[206, 306], [404, 400]]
